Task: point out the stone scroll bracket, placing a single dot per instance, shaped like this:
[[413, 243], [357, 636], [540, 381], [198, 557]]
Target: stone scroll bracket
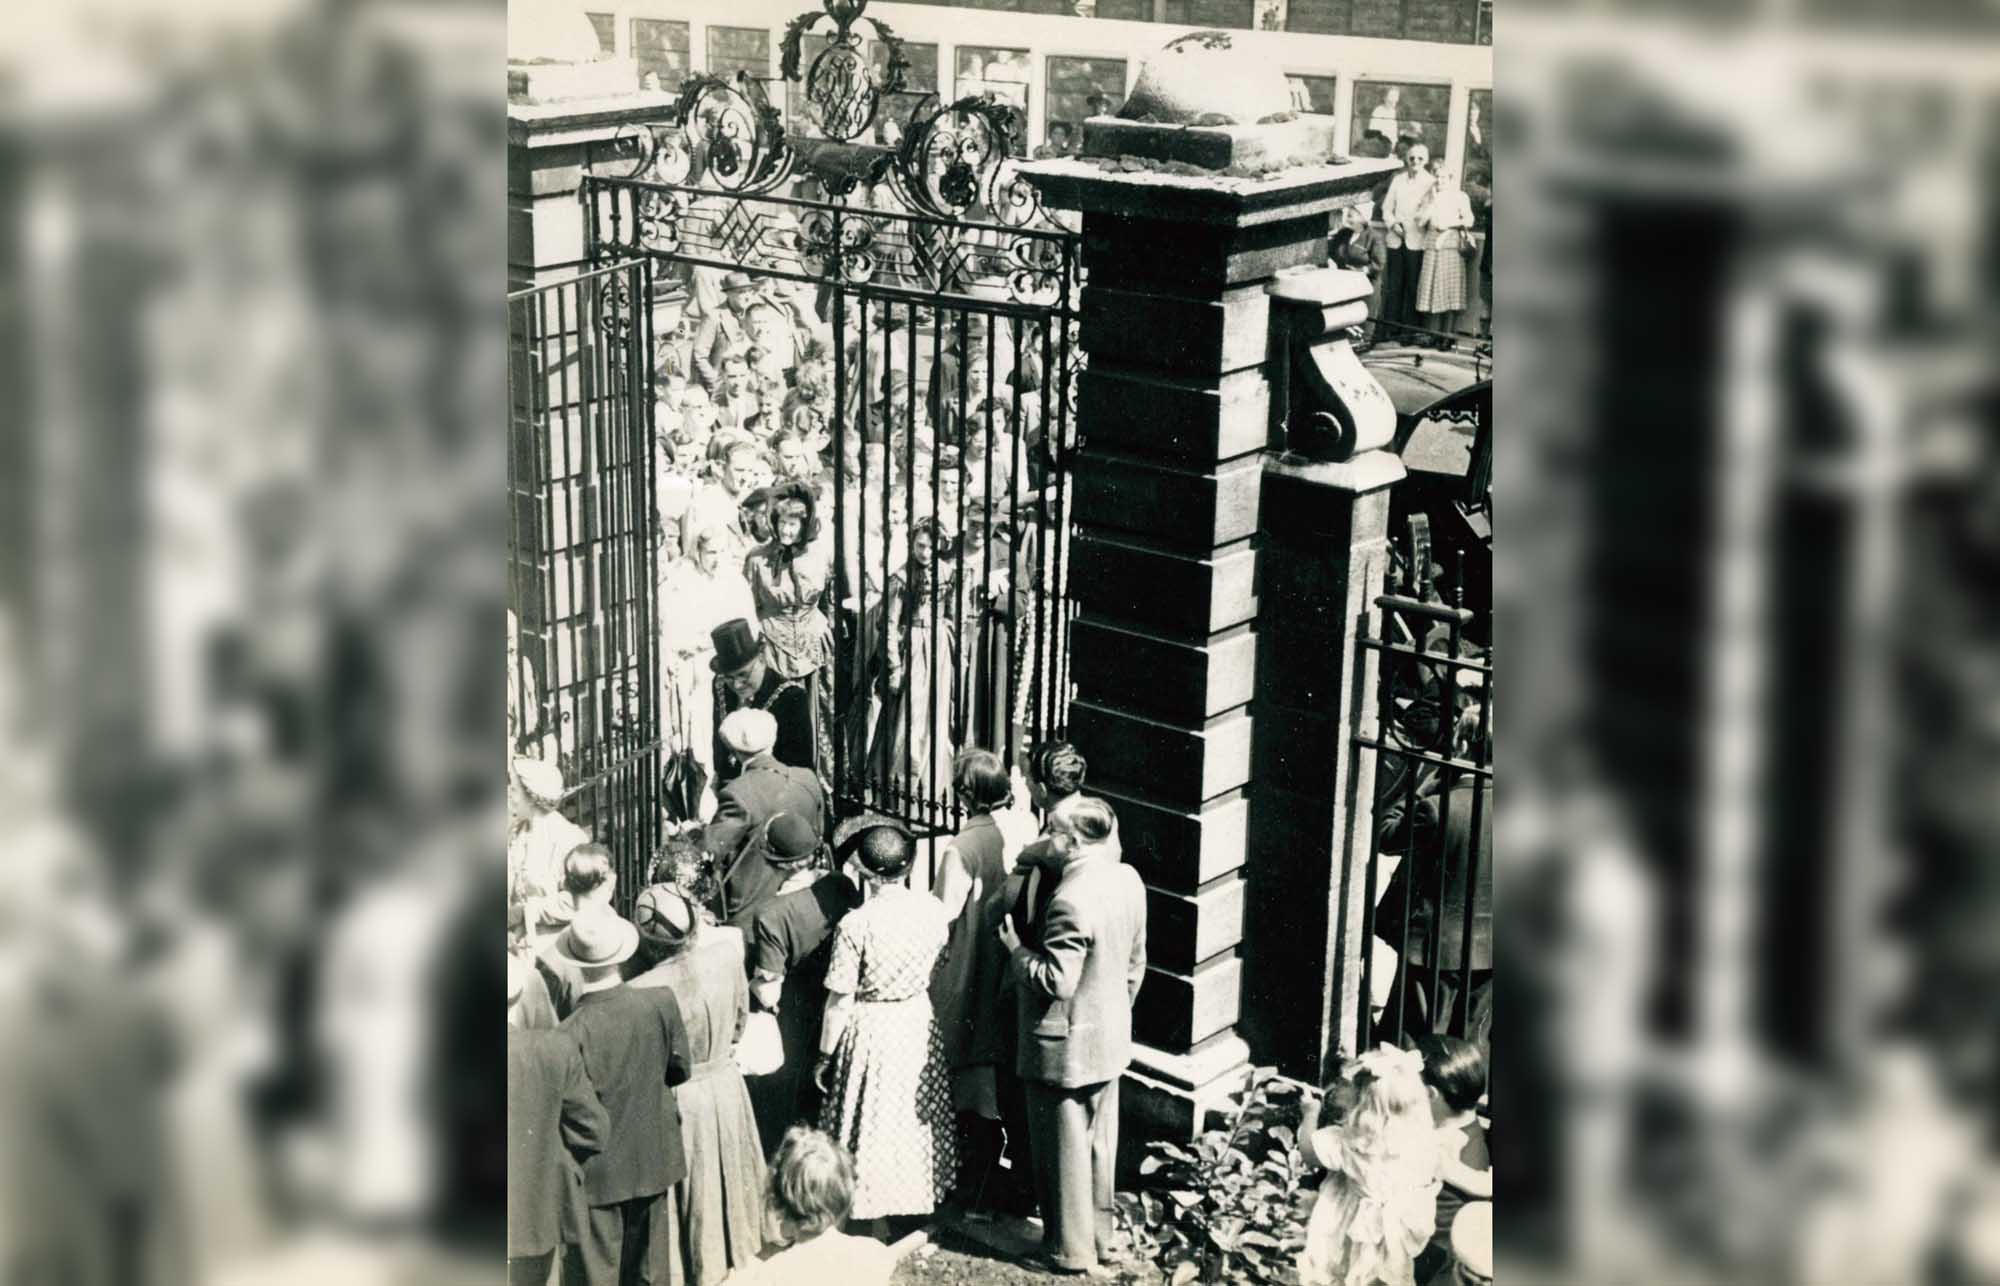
[[1324, 404]]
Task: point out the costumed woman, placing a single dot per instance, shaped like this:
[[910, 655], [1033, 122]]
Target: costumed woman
[[789, 576], [911, 756]]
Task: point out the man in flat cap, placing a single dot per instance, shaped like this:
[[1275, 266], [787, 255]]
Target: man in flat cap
[[764, 787]]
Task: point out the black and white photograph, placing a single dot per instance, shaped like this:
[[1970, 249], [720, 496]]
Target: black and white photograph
[[947, 568]]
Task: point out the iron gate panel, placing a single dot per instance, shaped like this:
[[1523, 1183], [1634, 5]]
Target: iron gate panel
[[583, 681], [966, 331], [1428, 737]]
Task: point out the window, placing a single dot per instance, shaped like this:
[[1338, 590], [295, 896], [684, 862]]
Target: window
[[1240, 14], [661, 50], [1393, 111], [1128, 10], [744, 49], [1079, 88], [920, 81], [606, 27], [1002, 73], [1313, 94], [1477, 175]]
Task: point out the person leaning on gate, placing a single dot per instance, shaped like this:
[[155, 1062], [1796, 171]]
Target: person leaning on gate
[[747, 802], [744, 680], [635, 1049], [555, 1122], [1074, 991]]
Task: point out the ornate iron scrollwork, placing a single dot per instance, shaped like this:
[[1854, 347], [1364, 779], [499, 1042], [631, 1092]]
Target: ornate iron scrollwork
[[728, 138], [841, 91]]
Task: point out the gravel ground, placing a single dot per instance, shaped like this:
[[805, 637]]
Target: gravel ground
[[954, 1259]]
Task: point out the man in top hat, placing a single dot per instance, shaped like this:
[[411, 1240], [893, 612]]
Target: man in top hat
[[635, 1049], [555, 1122], [744, 681], [726, 330], [768, 856]]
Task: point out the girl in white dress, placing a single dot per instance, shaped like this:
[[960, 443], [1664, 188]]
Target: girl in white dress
[[1378, 1203]]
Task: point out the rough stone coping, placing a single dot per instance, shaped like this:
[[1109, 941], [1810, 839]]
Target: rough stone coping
[[559, 82], [1266, 146], [1073, 183], [632, 107], [1327, 287]]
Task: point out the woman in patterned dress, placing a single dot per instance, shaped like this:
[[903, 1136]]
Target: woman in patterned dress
[[881, 1062], [788, 577], [1441, 284]]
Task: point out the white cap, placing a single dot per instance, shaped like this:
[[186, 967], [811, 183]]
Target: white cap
[[542, 780], [749, 732]]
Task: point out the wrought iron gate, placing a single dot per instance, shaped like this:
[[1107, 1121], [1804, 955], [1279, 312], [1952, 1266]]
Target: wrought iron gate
[[946, 302], [583, 669], [1428, 735]]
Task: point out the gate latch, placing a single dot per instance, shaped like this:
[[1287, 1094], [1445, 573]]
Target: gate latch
[[1325, 405]]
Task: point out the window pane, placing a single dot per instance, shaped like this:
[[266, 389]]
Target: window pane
[[661, 49], [606, 27], [1327, 17], [1129, 10], [1478, 177], [1313, 94], [1079, 88], [1002, 73], [920, 81], [734, 49], [1415, 112], [1239, 14]]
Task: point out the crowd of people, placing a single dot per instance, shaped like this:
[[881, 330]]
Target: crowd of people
[[932, 611], [790, 1037], [1424, 241]]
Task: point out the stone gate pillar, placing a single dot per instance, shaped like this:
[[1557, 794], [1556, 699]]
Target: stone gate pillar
[[1174, 411], [562, 118]]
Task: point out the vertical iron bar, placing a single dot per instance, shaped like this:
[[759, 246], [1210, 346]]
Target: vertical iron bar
[[850, 644], [1364, 1035], [1447, 778]]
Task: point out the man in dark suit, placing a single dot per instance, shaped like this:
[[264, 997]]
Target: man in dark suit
[[747, 802], [635, 1050], [1073, 1002], [745, 681], [555, 1122]]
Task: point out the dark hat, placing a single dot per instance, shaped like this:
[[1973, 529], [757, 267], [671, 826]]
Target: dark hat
[[735, 646], [789, 839], [734, 281], [849, 841], [663, 916], [597, 940]]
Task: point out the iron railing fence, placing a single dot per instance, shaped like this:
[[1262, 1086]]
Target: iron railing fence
[[585, 682], [1427, 962]]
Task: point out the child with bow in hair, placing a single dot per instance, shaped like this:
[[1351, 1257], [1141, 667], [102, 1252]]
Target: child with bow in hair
[[1373, 1134]]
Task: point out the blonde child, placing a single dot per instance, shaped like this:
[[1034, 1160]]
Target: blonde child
[[1378, 1203]]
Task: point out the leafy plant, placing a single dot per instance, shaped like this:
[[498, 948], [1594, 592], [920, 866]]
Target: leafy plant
[[1227, 1206]]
